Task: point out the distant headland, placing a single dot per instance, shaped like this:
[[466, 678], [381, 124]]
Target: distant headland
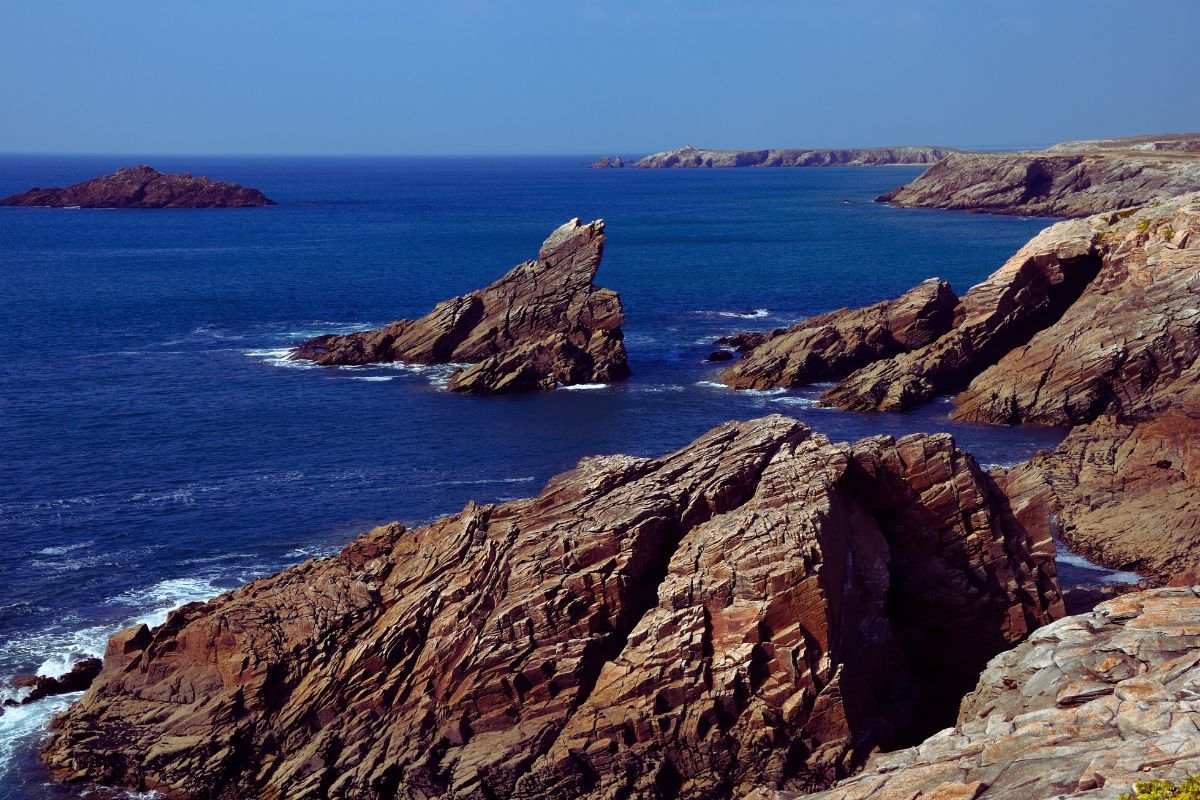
[[143, 187]]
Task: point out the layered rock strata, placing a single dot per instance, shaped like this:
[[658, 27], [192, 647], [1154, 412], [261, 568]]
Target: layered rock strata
[[832, 345], [1073, 179], [541, 325], [1087, 707], [688, 156], [763, 607], [143, 187]]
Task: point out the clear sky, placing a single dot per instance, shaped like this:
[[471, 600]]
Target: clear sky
[[585, 76]]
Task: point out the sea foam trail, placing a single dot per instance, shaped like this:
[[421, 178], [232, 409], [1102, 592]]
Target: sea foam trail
[[24, 727]]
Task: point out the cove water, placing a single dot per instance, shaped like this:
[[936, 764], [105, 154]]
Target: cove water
[[156, 447]]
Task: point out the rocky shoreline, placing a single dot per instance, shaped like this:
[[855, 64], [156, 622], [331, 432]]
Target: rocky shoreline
[[143, 187], [544, 324], [764, 613]]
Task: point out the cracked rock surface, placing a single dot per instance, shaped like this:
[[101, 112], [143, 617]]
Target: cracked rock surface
[[543, 324], [761, 608], [1083, 709]]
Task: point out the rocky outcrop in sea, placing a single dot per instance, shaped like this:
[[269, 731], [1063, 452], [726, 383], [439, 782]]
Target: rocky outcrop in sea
[[688, 156], [761, 608], [1072, 179], [542, 325], [143, 187]]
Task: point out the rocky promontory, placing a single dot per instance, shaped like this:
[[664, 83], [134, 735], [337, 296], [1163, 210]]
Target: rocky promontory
[[1094, 324], [1072, 179], [542, 325], [688, 156], [762, 608], [832, 345], [143, 187], [1087, 707]]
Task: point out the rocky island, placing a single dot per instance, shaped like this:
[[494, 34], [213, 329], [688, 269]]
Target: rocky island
[[542, 325], [1072, 179], [761, 608], [143, 187], [688, 156]]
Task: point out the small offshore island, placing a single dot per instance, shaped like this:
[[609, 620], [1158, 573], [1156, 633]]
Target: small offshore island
[[143, 187]]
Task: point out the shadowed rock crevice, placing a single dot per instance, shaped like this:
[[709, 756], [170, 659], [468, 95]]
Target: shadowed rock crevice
[[681, 627], [542, 325]]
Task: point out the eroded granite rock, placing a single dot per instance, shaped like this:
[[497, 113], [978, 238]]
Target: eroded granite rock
[[761, 607], [832, 345], [543, 324], [143, 187], [1086, 707]]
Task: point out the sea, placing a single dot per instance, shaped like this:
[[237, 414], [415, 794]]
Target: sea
[[157, 447]]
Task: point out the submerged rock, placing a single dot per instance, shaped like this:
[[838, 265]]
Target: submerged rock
[[762, 607], [688, 156], [831, 345], [543, 324], [143, 187], [1085, 708], [1073, 179]]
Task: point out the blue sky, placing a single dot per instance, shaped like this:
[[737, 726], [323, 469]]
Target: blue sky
[[532, 76]]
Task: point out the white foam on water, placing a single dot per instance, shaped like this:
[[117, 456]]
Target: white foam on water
[[757, 313], [712, 384], [305, 553], [486, 481], [583, 387], [373, 378], [792, 400], [25, 727], [1105, 575], [279, 357], [762, 392], [670, 387]]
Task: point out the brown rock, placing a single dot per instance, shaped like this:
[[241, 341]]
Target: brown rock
[[1074, 179], [1028, 293], [543, 324], [1128, 670], [1124, 494], [79, 678], [1127, 346], [143, 187], [761, 606], [834, 344]]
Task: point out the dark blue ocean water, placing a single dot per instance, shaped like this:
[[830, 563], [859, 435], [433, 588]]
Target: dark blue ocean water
[[155, 448]]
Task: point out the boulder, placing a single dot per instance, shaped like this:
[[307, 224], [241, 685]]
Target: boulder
[[543, 324]]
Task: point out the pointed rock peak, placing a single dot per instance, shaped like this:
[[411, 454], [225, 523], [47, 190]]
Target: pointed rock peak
[[571, 236]]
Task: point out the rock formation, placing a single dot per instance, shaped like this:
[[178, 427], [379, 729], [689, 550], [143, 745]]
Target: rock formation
[[761, 607], [143, 187], [1072, 179], [543, 324], [608, 162], [1086, 707], [832, 345], [77, 679], [688, 156]]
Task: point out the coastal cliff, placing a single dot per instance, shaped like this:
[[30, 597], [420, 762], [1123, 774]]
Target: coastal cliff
[[688, 156], [541, 325], [761, 608], [1072, 179], [143, 187]]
